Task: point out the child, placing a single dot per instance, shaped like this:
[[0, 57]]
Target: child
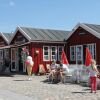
[[93, 76]]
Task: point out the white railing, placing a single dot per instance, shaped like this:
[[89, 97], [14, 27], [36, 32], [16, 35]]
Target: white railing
[[79, 73]]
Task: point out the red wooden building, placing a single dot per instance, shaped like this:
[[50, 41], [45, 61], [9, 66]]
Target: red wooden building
[[82, 36], [43, 45], [4, 49]]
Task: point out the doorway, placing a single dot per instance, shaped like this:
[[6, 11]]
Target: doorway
[[20, 60], [79, 54], [14, 60], [84, 53]]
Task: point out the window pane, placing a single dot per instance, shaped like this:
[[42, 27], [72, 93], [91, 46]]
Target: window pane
[[53, 48], [46, 57], [92, 50], [60, 48], [46, 53], [54, 53], [46, 48], [72, 53]]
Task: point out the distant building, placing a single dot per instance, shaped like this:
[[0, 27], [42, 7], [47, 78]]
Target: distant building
[[4, 49]]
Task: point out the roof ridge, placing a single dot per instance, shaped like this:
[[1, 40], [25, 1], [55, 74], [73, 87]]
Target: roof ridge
[[91, 24], [44, 29]]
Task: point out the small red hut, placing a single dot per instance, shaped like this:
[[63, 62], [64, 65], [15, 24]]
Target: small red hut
[[43, 45], [82, 36], [4, 50]]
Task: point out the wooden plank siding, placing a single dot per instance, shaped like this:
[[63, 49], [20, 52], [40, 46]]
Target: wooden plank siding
[[38, 58], [2, 42], [18, 39]]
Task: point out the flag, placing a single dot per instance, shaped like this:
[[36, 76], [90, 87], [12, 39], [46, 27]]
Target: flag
[[88, 57], [64, 58], [64, 61]]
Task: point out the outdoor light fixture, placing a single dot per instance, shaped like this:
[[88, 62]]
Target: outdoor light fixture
[[37, 51]]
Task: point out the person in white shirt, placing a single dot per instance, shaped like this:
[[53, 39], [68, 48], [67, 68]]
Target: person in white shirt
[[93, 76], [64, 70], [53, 71]]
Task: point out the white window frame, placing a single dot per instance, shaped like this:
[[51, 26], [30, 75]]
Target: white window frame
[[92, 48], [72, 57], [81, 55], [59, 56], [47, 55], [55, 53]]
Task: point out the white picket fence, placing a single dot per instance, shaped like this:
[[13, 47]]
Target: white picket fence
[[79, 73]]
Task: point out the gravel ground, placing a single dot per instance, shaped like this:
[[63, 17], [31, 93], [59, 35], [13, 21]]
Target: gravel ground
[[17, 87]]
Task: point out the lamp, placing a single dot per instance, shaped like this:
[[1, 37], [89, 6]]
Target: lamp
[[37, 51]]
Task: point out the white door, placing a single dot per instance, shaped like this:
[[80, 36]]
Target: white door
[[14, 59], [24, 56], [79, 54]]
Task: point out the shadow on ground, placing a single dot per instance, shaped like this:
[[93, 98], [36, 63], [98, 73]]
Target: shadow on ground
[[21, 80], [49, 82], [10, 74], [82, 92], [6, 75]]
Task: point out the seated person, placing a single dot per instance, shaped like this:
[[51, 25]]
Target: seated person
[[41, 70], [64, 70], [53, 72]]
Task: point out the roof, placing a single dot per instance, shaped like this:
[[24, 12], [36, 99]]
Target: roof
[[94, 27], [91, 28], [35, 34], [7, 36]]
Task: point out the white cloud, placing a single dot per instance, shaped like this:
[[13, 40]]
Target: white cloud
[[11, 3]]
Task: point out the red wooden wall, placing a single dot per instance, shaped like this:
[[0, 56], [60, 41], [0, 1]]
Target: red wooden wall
[[38, 58]]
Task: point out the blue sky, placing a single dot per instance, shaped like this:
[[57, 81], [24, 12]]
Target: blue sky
[[47, 14]]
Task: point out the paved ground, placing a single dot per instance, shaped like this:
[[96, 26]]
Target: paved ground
[[16, 87]]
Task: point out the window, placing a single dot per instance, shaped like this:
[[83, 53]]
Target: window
[[79, 52], [72, 53], [92, 49], [53, 53], [46, 53], [60, 48]]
